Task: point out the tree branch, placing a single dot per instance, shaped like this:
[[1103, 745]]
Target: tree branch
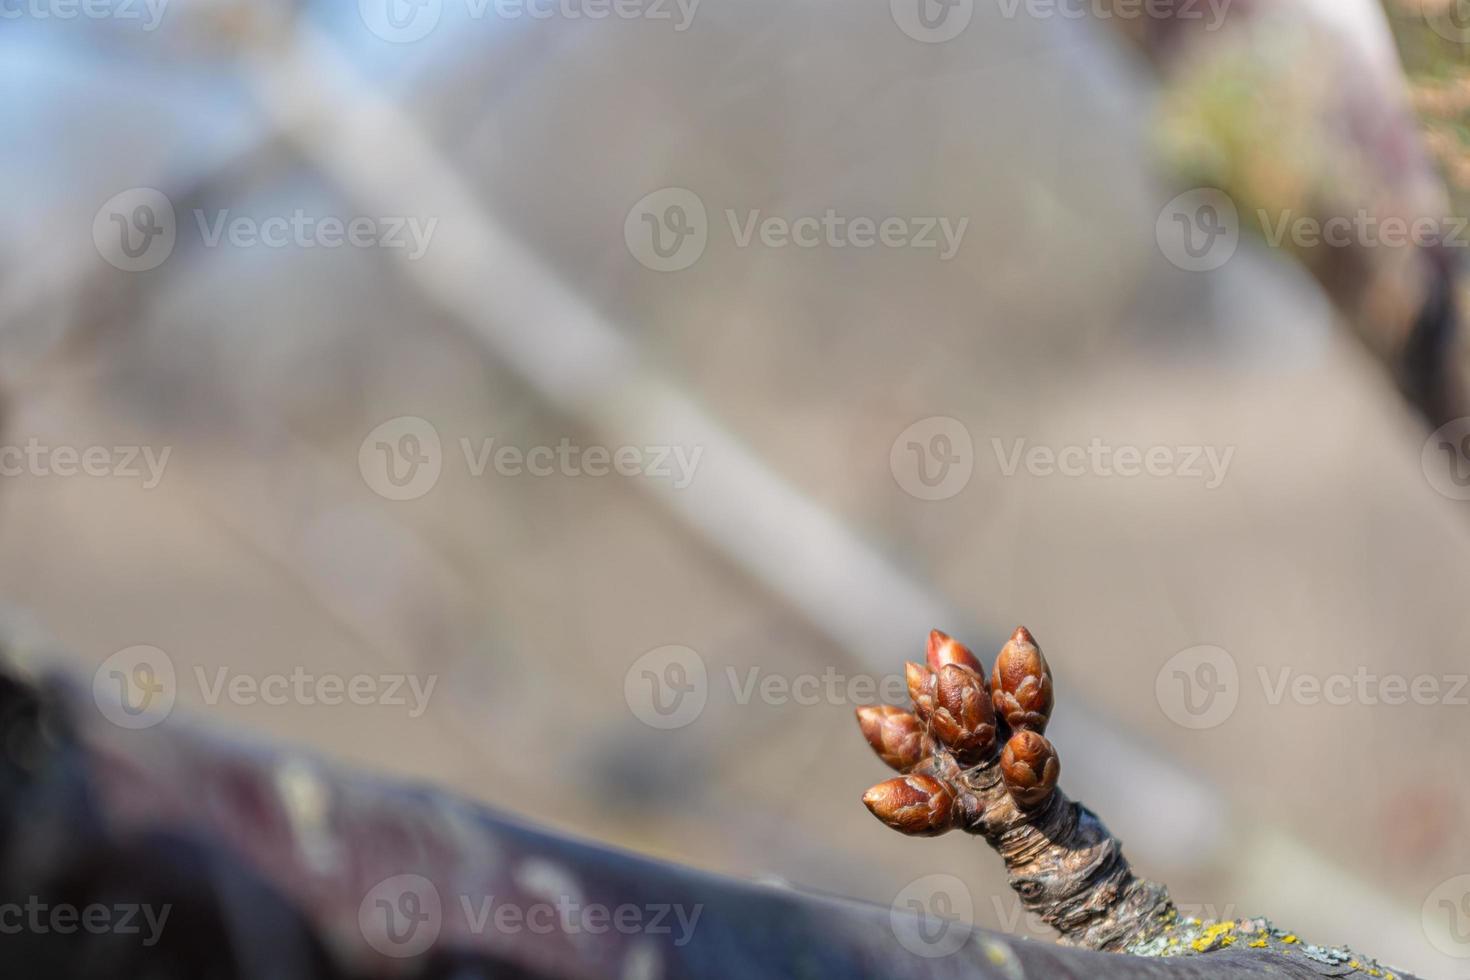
[[267, 863]]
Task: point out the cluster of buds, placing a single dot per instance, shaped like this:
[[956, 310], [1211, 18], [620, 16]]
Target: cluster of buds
[[956, 725]]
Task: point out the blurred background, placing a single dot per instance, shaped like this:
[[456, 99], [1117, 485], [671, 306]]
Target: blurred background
[[484, 347]]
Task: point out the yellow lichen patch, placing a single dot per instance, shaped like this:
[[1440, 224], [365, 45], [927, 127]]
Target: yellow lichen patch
[[1290, 937], [1216, 935]]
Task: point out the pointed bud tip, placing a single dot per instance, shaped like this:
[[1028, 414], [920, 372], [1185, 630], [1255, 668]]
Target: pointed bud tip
[[945, 649], [1023, 635]]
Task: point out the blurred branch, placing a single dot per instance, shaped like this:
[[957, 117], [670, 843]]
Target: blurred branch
[[252, 862], [1301, 111]]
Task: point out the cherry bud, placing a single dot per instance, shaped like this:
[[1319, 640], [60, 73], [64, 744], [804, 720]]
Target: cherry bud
[[963, 718], [1030, 767], [1020, 685], [897, 736], [922, 688], [917, 804]]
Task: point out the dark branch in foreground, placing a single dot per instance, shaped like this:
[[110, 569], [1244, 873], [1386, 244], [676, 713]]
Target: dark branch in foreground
[[255, 862]]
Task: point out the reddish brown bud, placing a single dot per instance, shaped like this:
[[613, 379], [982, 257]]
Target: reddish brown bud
[[963, 718], [922, 683], [1030, 767], [945, 649], [897, 736], [917, 804], [1020, 685]]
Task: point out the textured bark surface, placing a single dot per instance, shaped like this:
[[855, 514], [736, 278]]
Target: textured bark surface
[[1067, 868]]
